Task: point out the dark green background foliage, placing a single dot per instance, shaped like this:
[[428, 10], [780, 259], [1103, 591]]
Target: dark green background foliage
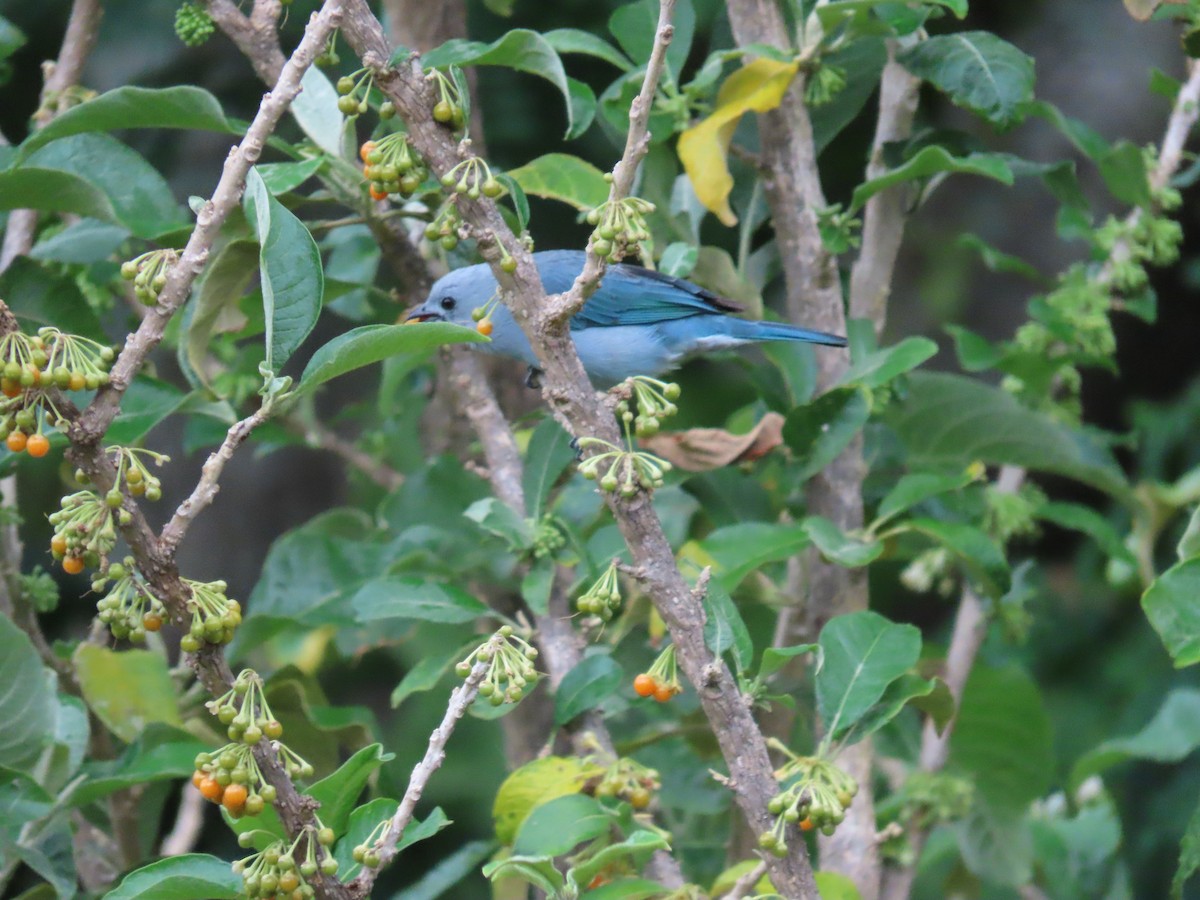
[[319, 554]]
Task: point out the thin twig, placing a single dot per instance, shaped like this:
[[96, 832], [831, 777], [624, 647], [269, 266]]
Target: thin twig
[[189, 822], [321, 437], [746, 883], [257, 37]]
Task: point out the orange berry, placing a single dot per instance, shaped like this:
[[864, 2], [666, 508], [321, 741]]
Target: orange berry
[[377, 194], [72, 565], [10, 388], [644, 685], [663, 693], [58, 545], [37, 375], [77, 382], [198, 777], [38, 445], [152, 622], [234, 798], [16, 441], [365, 150], [484, 327], [210, 789], [807, 825]]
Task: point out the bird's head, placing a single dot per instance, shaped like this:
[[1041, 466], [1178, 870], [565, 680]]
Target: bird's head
[[453, 297]]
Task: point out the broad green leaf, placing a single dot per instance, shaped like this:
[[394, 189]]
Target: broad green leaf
[[428, 671], [561, 176], [215, 308], [573, 40], [548, 454], [758, 86], [371, 343], [996, 845], [862, 654], [359, 825], [724, 629], [22, 800], [291, 276], [837, 546], [775, 658], [559, 825], [287, 176], [38, 296], [625, 889], [1171, 735], [635, 850], [126, 690], [981, 556], [880, 367], [980, 72], [592, 681], [1123, 168], [193, 876], [1170, 605], [953, 421], [1078, 853], [498, 518], [679, 259], [738, 550], [400, 597], [929, 161], [338, 793], [11, 38], [51, 190], [634, 25], [862, 60], [161, 752], [1086, 140], [315, 729], [917, 487], [818, 431], [520, 49], [1189, 856], [835, 886], [146, 403], [535, 783], [83, 242], [315, 111], [539, 871], [995, 260], [183, 106], [1189, 544], [536, 585], [975, 353], [1002, 709], [27, 701], [931, 696], [1087, 521]]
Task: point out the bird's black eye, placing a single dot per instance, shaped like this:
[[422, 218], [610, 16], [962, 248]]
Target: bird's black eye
[[448, 303]]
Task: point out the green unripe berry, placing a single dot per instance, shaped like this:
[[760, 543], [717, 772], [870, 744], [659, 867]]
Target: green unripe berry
[[443, 112], [602, 247], [345, 85], [113, 498], [268, 793], [492, 188], [508, 264], [347, 106], [252, 735], [329, 866], [387, 109]]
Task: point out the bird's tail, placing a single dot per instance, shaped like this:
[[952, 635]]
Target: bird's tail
[[779, 331]]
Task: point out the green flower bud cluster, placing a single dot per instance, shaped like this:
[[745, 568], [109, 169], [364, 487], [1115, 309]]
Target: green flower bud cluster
[[214, 616], [511, 673], [548, 538], [444, 227], [823, 84], [628, 471], [283, 870], [472, 177], [84, 530], [603, 598], [243, 789], [654, 402], [193, 24], [148, 273], [130, 463], [41, 589], [392, 166], [129, 609], [838, 228], [244, 710], [619, 226], [628, 780], [937, 798], [817, 795], [448, 110], [1008, 515], [930, 570]]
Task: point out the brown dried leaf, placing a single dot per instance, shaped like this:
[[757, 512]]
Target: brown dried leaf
[[702, 449]]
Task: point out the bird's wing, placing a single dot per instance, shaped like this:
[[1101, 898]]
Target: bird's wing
[[631, 295]]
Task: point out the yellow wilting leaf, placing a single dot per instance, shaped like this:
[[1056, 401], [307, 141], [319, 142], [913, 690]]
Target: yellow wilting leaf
[[704, 149]]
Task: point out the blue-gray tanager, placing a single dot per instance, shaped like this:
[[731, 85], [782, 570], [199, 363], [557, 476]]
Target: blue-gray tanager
[[638, 322]]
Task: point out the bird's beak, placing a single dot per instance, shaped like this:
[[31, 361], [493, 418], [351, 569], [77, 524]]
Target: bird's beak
[[422, 315]]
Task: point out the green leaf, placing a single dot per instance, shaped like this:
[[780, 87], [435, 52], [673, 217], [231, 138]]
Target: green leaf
[[361, 822], [1002, 709], [146, 403], [738, 550], [929, 161], [315, 111], [1189, 544], [626, 888], [338, 793], [126, 690], [537, 870], [572, 40], [548, 454], [291, 276], [51, 190], [535, 783], [835, 886], [400, 597], [82, 243], [371, 343], [215, 308], [996, 845], [1087, 521], [837, 546], [862, 60], [862, 654], [1171, 735], [498, 518], [537, 584], [917, 487], [194, 876], [980, 72], [1123, 168], [11, 39], [818, 431], [878, 368], [287, 176], [183, 106], [679, 259], [593, 680], [724, 628], [561, 176], [949, 421], [981, 556], [559, 825], [27, 702], [775, 658], [161, 752], [428, 671], [634, 25], [1189, 856], [635, 850], [1170, 605], [37, 296], [932, 696], [519, 49]]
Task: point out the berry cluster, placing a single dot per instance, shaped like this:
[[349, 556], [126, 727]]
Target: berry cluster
[[473, 177], [448, 110], [548, 538], [193, 24], [148, 273], [444, 228], [817, 795], [630, 781], [355, 89], [392, 166], [243, 709], [130, 463], [662, 680], [214, 616], [84, 530], [129, 609], [619, 226], [231, 777], [329, 57], [275, 872], [628, 470], [653, 403], [603, 598], [511, 673]]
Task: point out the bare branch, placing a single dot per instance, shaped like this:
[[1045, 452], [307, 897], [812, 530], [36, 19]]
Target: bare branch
[[189, 822], [477, 402], [256, 37], [746, 883], [319, 436]]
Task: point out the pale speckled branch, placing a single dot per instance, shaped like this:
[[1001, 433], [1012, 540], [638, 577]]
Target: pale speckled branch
[[256, 36]]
